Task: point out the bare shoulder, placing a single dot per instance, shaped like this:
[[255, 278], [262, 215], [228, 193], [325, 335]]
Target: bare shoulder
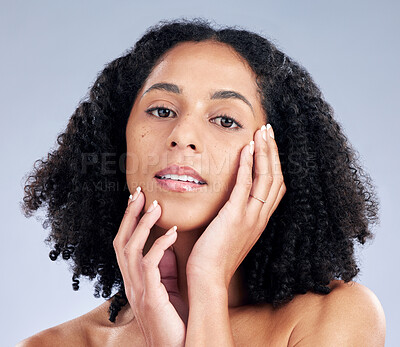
[[65, 334], [79, 331], [350, 315]]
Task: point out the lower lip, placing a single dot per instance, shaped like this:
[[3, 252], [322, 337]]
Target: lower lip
[[178, 186]]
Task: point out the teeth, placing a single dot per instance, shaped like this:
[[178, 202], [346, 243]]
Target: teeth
[[180, 178]]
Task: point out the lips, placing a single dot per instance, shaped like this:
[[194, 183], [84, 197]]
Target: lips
[[180, 170]]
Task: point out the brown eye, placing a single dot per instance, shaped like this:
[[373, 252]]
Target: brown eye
[[226, 122], [161, 112]]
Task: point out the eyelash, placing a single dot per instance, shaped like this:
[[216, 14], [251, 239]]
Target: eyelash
[[239, 125]]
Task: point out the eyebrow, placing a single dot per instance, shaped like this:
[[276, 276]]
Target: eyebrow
[[219, 94]]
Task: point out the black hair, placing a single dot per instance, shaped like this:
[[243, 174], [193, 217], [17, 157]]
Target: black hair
[[329, 204]]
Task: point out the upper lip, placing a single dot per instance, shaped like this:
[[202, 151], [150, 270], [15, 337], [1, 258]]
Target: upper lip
[[180, 170]]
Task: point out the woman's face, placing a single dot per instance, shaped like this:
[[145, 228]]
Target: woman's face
[[200, 123]]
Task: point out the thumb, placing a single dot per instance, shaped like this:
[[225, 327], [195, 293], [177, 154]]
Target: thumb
[[169, 271], [169, 278]]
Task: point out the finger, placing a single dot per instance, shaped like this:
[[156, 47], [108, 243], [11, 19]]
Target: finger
[[130, 219], [128, 224], [281, 193], [275, 190], [244, 180], [139, 237], [133, 250], [159, 266], [263, 176]]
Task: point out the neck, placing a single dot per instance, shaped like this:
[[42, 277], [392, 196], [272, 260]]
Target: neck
[[182, 248]]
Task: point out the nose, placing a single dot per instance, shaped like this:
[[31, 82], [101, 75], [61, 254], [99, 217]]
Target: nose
[[186, 134]]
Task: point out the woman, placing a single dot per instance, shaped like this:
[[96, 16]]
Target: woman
[[234, 233]]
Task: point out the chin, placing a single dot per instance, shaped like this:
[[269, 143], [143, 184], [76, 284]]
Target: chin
[[185, 220]]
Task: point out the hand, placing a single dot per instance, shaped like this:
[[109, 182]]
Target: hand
[[229, 237], [150, 281]]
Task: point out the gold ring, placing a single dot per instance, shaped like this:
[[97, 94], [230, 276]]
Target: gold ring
[[263, 201]]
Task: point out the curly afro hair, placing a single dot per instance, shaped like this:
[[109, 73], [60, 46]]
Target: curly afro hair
[[329, 204]]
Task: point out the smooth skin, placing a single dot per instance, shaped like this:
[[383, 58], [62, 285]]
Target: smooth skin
[[193, 294]]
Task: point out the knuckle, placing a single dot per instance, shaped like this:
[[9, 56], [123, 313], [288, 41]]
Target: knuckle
[[269, 179], [143, 223], [279, 179], [115, 243], [127, 252], [248, 182], [158, 242], [264, 150], [146, 263], [128, 208]]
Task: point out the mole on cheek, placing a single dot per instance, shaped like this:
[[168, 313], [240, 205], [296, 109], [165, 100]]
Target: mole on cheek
[[146, 132]]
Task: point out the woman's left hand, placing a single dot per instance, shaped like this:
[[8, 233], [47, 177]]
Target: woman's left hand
[[229, 237]]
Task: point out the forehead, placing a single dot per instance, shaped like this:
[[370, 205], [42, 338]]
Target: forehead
[[205, 64]]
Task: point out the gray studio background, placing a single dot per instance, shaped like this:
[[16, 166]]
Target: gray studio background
[[51, 52]]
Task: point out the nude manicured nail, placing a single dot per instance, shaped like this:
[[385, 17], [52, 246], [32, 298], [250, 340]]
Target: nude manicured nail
[[135, 195], [271, 131], [172, 230], [264, 133], [152, 206], [251, 147]]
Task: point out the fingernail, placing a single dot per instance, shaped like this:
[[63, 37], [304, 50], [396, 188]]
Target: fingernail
[[152, 206], [135, 195], [263, 132], [171, 231], [271, 131], [251, 147]]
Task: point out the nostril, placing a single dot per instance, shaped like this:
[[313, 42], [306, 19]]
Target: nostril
[[174, 144]]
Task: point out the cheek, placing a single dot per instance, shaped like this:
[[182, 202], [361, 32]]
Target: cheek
[[139, 138], [224, 164], [139, 145], [234, 160]]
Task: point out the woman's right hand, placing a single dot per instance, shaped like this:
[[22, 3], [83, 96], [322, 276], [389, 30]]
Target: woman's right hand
[[147, 289]]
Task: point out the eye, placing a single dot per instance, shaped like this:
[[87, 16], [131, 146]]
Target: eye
[[226, 122], [163, 112]]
